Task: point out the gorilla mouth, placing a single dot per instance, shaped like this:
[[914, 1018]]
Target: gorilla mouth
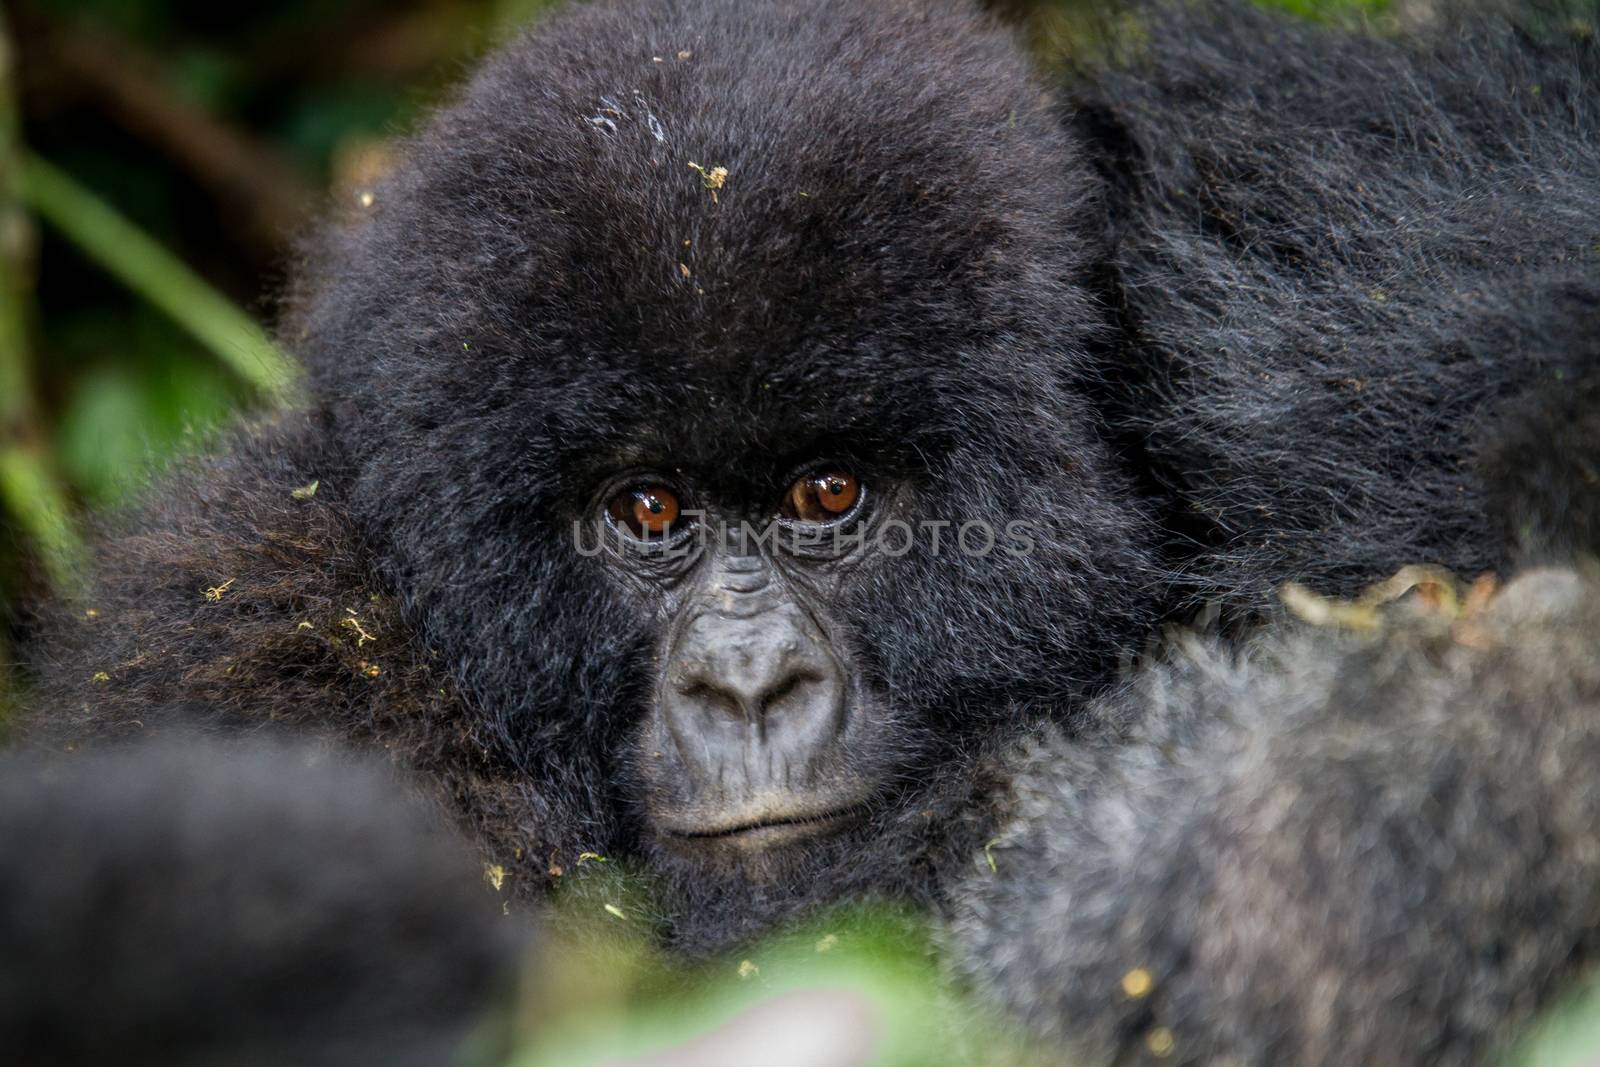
[[776, 828]]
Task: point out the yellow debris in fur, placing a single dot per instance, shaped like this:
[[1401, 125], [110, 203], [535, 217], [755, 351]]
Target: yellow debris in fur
[[1160, 1042], [495, 875], [1435, 586], [713, 178], [612, 909], [1137, 983], [352, 621], [1436, 589], [1326, 611], [214, 593], [307, 491]]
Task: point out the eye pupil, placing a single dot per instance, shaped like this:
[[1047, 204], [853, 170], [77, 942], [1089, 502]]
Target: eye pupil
[[645, 510], [821, 497]]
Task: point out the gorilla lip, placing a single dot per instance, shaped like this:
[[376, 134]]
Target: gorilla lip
[[776, 828]]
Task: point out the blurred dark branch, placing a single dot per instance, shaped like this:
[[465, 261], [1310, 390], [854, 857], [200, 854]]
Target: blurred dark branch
[[246, 175], [31, 497], [396, 43], [16, 256]]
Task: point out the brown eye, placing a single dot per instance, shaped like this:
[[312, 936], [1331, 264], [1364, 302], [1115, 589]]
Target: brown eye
[[822, 496], [646, 511]]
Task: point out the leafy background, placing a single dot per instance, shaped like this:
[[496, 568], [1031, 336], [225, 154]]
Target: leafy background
[[156, 159]]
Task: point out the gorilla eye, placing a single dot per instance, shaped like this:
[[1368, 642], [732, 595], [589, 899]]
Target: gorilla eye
[[821, 496], [646, 511]]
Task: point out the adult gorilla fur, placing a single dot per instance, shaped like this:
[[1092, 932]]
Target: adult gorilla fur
[[1323, 848], [1234, 309]]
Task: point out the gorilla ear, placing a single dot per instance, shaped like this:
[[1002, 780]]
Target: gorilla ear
[[1540, 464]]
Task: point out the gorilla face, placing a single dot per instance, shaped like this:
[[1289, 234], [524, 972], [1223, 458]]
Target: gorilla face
[[726, 435], [766, 724], [829, 606], [763, 730]]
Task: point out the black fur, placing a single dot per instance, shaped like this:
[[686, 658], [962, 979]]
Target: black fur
[[1237, 308], [1542, 471], [1338, 257], [196, 902]]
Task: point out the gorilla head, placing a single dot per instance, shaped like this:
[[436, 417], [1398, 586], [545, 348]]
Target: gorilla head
[[710, 384]]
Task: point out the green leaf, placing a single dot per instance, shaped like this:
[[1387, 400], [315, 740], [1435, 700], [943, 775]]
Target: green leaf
[[1566, 1036], [33, 500], [139, 262]]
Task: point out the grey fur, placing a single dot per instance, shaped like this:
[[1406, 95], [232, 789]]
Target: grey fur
[[1323, 848]]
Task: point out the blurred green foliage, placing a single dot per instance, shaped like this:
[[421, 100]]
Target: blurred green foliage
[[602, 991]]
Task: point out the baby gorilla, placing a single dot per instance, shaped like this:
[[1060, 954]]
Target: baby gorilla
[[734, 424], [708, 471]]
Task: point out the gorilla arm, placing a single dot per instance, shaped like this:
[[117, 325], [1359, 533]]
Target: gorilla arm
[[1331, 848]]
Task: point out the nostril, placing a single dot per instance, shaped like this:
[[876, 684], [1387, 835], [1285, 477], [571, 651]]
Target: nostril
[[750, 698], [795, 688], [697, 693]]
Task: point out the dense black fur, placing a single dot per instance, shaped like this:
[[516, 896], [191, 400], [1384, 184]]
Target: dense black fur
[[1338, 257], [1542, 472], [195, 902], [1236, 309]]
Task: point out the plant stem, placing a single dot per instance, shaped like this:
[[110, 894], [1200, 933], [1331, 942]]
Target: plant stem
[[133, 258]]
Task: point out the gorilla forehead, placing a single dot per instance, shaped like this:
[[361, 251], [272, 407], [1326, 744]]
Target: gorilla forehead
[[556, 240]]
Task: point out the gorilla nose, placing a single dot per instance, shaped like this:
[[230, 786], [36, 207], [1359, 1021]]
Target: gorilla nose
[[770, 670], [752, 700]]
